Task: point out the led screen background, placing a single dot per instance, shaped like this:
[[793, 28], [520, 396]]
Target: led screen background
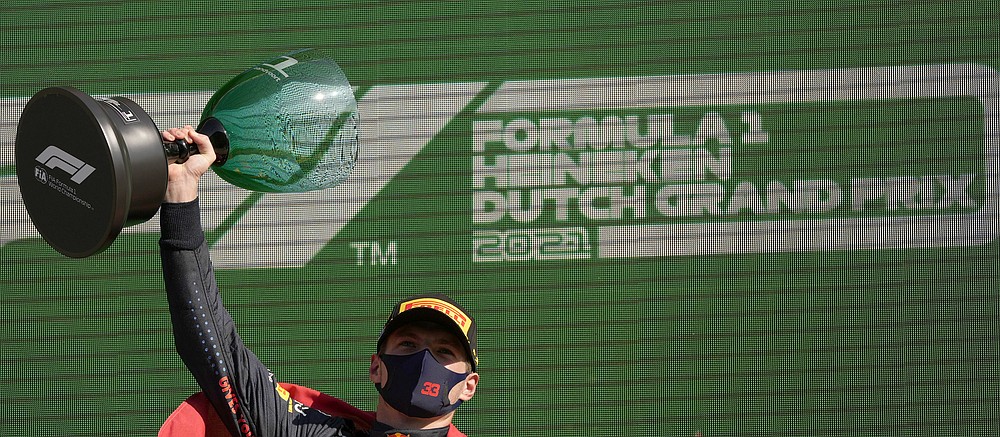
[[759, 218]]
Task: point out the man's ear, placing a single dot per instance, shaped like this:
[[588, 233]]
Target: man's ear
[[469, 386], [373, 370]]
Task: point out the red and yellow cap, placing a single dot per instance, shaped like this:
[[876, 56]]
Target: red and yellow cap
[[437, 308]]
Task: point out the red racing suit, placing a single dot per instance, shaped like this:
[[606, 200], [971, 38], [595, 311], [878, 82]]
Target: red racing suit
[[244, 393]]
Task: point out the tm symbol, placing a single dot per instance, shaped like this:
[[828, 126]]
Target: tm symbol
[[374, 253]]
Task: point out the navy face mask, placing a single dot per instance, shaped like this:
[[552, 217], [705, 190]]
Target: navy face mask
[[418, 384]]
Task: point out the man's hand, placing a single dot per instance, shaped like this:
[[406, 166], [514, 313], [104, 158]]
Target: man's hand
[[182, 179]]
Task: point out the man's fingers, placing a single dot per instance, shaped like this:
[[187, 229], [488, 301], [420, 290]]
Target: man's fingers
[[177, 134], [174, 134], [191, 136], [204, 144]]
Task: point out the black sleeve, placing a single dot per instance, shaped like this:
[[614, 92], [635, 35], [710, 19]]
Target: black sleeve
[[242, 390]]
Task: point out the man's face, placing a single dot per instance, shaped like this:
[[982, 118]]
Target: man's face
[[446, 348]]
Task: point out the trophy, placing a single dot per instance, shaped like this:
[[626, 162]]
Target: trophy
[[88, 167]]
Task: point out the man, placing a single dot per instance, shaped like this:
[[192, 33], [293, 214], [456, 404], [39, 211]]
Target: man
[[425, 365]]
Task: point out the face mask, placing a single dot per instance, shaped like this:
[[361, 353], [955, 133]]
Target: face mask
[[418, 385]]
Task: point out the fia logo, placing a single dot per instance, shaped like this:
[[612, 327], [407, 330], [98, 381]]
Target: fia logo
[[54, 157], [41, 175]]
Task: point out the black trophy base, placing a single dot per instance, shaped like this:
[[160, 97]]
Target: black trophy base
[[87, 168]]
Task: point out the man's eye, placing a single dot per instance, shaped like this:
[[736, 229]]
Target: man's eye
[[447, 352], [407, 343]]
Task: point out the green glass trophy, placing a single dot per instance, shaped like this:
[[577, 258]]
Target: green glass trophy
[[88, 167]]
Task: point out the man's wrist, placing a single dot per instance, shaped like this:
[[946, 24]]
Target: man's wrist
[[181, 191]]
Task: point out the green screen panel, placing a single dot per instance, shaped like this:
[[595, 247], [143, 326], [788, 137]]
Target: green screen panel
[[743, 218]]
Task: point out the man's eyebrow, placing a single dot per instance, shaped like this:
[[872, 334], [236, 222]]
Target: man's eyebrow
[[447, 340], [437, 337], [404, 334]]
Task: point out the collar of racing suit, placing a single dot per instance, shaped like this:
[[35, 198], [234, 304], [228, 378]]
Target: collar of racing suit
[[380, 429]]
